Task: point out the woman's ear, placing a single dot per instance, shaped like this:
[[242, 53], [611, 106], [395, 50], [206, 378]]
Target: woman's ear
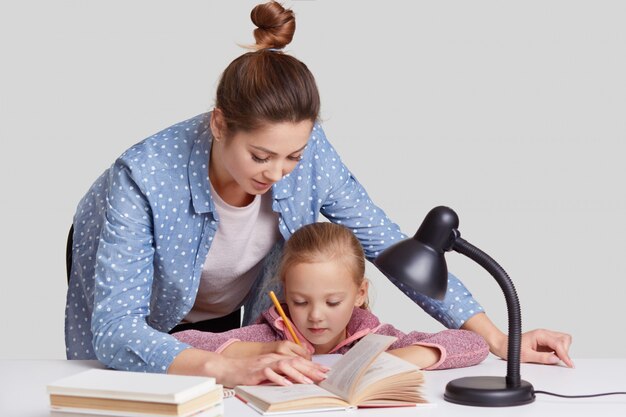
[[217, 124], [361, 295]]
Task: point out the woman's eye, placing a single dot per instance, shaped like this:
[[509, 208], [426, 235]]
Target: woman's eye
[[259, 160], [296, 158]]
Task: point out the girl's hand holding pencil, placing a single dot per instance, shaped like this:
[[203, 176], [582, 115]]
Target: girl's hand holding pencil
[[286, 347], [252, 349], [284, 316]]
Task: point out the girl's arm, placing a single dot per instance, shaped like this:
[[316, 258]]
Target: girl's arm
[[422, 356], [249, 349], [245, 342], [442, 350]]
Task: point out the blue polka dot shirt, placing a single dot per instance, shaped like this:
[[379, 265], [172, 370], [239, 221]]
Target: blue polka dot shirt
[[144, 228]]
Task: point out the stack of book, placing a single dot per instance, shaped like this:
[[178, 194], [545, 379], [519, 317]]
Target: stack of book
[[120, 393]]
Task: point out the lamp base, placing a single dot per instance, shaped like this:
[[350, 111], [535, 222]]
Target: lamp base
[[488, 391]]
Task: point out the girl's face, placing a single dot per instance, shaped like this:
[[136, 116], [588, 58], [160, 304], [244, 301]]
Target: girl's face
[[256, 160], [321, 297]]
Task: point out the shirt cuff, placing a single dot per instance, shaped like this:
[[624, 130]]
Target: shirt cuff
[[442, 354], [224, 345]]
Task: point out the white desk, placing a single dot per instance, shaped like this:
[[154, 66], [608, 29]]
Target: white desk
[[23, 390]]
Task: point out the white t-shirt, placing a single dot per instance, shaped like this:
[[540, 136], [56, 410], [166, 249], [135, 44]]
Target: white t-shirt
[[244, 237]]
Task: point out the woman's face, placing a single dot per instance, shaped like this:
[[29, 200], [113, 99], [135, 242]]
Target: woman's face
[[321, 297], [256, 160]]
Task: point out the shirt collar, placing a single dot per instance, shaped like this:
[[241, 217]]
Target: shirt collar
[[284, 188], [198, 172]]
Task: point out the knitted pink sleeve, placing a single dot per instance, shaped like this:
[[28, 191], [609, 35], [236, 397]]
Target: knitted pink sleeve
[[459, 348], [216, 342]]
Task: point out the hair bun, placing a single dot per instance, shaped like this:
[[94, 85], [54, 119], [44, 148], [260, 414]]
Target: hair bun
[[275, 25]]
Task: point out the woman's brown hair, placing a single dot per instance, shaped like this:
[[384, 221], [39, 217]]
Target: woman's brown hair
[[321, 242], [267, 85]]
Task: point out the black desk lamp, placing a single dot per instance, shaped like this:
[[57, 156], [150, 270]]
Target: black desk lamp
[[419, 263]]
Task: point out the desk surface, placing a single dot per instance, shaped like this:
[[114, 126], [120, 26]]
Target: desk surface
[[23, 390]]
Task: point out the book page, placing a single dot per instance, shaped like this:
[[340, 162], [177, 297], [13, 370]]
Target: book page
[[384, 366], [344, 375], [327, 359], [273, 394]]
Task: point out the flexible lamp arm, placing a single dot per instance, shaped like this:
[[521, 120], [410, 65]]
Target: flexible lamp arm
[[460, 245]]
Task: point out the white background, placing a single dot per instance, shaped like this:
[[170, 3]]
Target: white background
[[512, 113]]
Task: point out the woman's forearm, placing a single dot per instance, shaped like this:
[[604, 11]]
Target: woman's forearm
[[230, 372], [536, 346], [245, 349], [197, 362], [495, 338]]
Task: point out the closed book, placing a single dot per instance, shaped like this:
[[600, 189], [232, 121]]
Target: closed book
[[121, 393]]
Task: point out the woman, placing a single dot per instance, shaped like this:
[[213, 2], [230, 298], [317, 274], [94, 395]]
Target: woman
[[186, 225]]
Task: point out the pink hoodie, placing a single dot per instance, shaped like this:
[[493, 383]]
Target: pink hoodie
[[459, 348]]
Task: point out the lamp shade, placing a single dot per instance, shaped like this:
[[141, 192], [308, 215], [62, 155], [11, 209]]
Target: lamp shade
[[419, 262]]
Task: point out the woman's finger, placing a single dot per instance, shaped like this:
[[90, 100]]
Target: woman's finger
[[295, 370], [559, 343], [276, 378]]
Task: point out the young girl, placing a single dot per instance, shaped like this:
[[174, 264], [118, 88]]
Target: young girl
[[322, 272]]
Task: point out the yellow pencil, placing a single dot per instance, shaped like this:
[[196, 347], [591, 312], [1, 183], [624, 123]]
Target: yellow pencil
[[284, 316]]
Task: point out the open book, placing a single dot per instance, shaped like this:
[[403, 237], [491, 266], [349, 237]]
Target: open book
[[121, 393], [366, 376]]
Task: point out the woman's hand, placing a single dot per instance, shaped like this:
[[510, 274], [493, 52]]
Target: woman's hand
[[250, 349], [538, 346], [546, 346], [280, 369]]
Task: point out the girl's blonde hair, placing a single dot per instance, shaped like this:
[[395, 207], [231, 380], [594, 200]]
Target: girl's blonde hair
[[321, 242]]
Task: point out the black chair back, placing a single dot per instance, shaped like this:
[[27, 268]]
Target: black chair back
[[68, 253]]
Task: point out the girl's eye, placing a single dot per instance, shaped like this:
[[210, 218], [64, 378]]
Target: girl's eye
[[259, 160], [299, 303], [333, 303]]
